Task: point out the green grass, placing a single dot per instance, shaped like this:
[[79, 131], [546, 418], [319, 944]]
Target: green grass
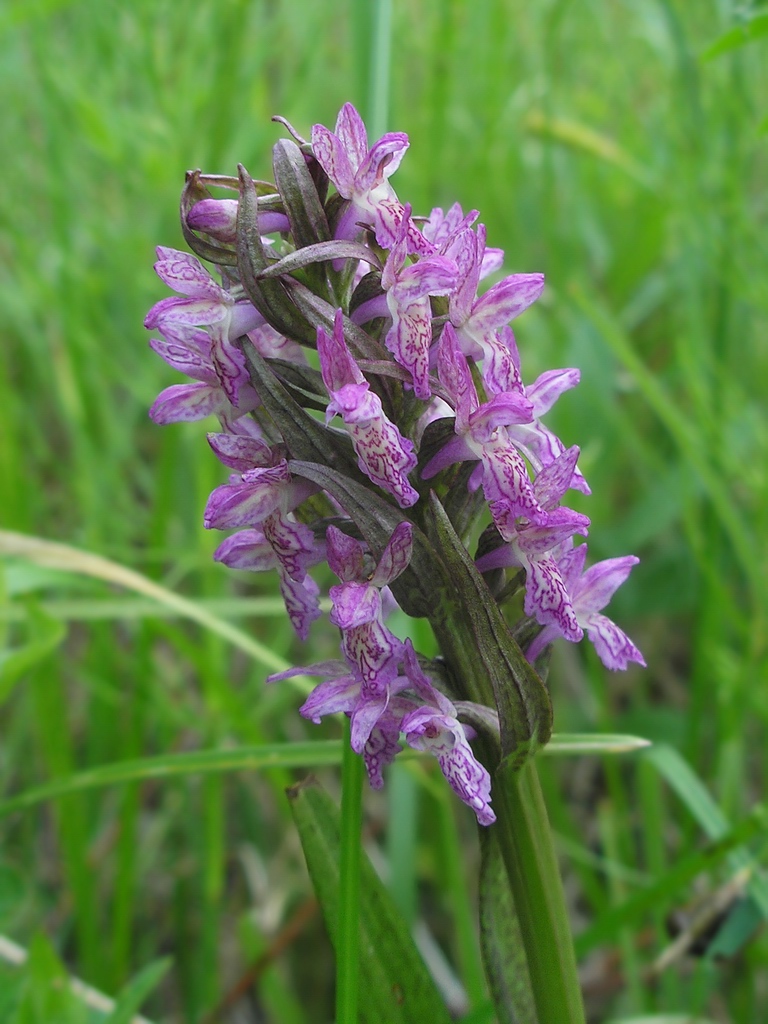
[[600, 149]]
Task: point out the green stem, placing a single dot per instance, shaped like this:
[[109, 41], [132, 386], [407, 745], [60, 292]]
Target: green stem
[[529, 855], [348, 937]]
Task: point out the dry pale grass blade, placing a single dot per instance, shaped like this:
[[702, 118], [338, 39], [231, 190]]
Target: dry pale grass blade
[[53, 555]]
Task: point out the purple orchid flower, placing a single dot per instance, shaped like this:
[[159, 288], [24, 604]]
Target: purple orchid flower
[[383, 454], [535, 546], [442, 228], [425, 715], [204, 303], [361, 176], [590, 592], [477, 319], [190, 350], [539, 445], [481, 433], [407, 289], [252, 551], [263, 494]]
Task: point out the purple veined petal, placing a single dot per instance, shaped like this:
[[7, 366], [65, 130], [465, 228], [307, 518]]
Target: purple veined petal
[[330, 698], [185, 360], [613, 646], [229, 363], [601, 581], [394, 266], [332, 157], [293, 544], [468, 779], [365, 716], [547, 600], [245, 504], [248, 550], [345, 555], [185, 274], [433, 275], [380, 750], [354, 605], [453, 371], [271, 345], [536, 541], [240, 452], [396, 556], [548, 387], [465, 250], [492, 261], [188, 312], [501, 411], [374, 651], [444, 737], [192, 338], [381, 161], [505, 478], [555, 479], [336, 362], [386, 457], [505, 300], [352, 134], [500, 372], [409, 340], [334, 669], [570, 561], [441, 227], [541, 447], [186, 403], [235, 421], [302, 602]]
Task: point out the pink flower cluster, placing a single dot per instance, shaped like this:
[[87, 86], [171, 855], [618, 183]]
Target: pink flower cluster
[[439, 363]]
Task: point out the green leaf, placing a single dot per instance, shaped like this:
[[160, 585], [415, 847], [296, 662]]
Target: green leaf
[[477, 643], [47, 994], [137, 990], [694, 794], [45, 635], [67, 559], [737, 929], [269, 297], [741, 35], [320, 252], [396, 985], [563, 744], [302, 204], [206, 762], [661, 892], [504, 957]]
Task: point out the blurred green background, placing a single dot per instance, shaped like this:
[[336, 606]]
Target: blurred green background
[[601, 148]]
